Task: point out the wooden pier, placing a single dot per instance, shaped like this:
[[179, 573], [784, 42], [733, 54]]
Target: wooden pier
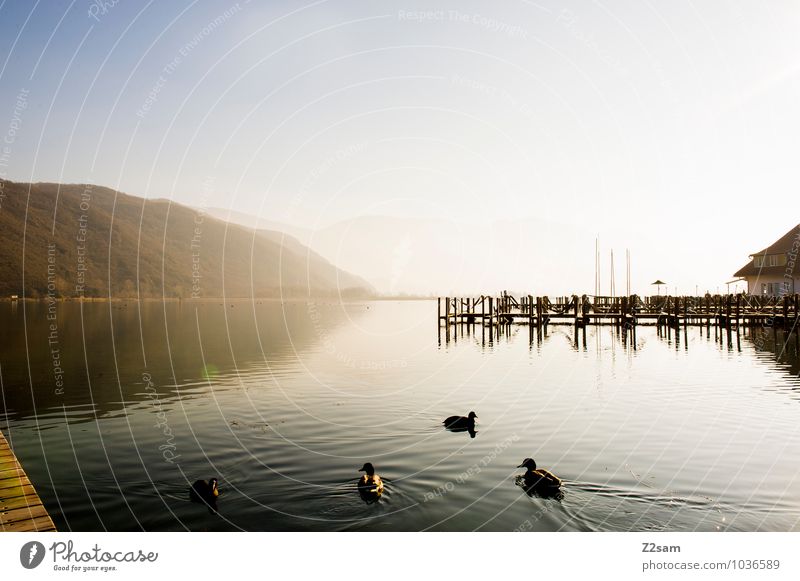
[[627, 312], [21, 509]]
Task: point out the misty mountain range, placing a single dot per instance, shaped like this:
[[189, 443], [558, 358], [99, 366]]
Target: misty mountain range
[[424, 256], [70, 240]]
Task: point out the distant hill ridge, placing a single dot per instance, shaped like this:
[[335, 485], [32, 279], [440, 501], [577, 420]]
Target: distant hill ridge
[[68, 240]]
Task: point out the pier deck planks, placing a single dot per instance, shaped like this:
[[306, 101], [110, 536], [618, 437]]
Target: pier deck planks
[[21, 509]]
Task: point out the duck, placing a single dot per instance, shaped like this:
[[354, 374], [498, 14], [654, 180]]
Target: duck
[[204, 491], [370, 485], [539, 481], [461, 423]]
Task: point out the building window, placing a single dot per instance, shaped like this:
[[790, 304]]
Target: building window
[[769, 260]]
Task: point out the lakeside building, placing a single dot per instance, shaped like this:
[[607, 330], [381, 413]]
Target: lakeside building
[[773, 271]]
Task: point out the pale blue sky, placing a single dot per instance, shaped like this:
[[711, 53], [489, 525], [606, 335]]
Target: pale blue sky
[[654, 124]]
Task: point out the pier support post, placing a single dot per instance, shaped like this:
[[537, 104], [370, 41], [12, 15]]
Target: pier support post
[[728, 301], [786, 312], [738, 309], [539, 315], [530, 311]]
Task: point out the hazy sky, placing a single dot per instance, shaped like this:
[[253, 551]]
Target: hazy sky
[[671, 128]]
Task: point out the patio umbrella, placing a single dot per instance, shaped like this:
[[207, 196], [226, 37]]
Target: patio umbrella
[[658, 282]]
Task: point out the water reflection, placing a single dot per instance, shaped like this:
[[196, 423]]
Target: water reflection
[[90, 360], [781, 343], [487, 335], [777, 348], [650, 428], [471, 431]]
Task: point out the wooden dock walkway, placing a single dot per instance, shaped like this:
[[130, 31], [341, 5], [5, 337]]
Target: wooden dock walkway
[[21, 509], [627, 311]]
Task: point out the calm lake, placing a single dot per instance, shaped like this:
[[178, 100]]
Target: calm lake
[[284, 402]]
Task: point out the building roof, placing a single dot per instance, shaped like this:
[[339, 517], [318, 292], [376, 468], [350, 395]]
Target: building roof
[[786, 243], [750, 270], [783, 244]]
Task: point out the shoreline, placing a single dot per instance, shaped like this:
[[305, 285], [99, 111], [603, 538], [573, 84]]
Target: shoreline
[[212, 299]]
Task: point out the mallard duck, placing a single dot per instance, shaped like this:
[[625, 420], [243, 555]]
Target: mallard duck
[[460, 422], [370, 483], [204, 491], [539, 481]]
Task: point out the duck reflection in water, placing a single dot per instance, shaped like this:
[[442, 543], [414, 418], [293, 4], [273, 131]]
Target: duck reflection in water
[[205, 492], [461, 424], [539, 482], [370, 486]]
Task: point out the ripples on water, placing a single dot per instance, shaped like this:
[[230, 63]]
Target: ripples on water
[[284, 402]]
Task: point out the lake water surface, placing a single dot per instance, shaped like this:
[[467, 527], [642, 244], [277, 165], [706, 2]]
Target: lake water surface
[[284, 402]]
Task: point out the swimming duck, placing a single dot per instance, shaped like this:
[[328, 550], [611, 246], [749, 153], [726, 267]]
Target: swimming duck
[[539, 481], [370, 485], [205, 492], [461, 423]]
